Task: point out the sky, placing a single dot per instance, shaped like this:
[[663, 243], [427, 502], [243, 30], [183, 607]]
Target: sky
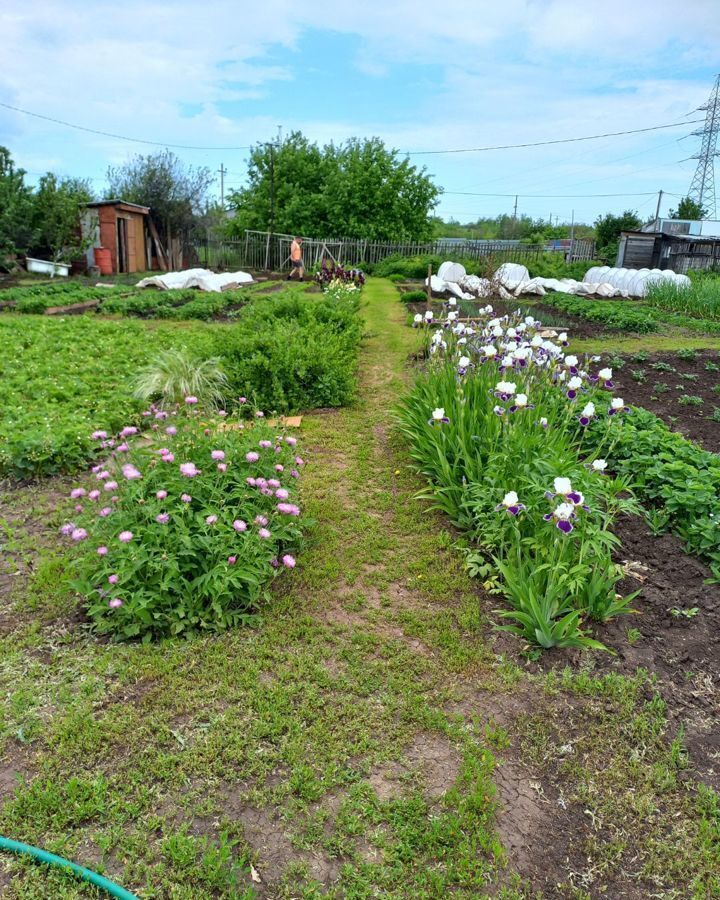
[[423, 77]]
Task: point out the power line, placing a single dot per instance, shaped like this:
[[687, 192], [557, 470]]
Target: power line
[[119, 137], [589, 137], [550, 196]]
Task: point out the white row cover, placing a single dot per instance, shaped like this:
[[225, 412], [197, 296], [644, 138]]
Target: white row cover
[[195, 278], [514, 280]]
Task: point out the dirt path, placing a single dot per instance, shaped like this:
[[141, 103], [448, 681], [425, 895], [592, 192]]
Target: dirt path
[[373, 738]]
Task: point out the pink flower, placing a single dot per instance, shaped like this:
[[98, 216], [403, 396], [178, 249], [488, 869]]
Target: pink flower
[[260, 520], [222, 467], [125, 536], [99, 435], [95, 469], [122, 448], [265, 444], [282, 494], [288, 509], [171, 430], [114, 499], [291, 441], [110, 485], [273, 483], [79, 508], [275, 562], [130, 472], [211, 520], [67, 529], [264, 534], [75, 493], [299, 461], [189, 470], [161, 495], [78, 534], [186, 498], [242, 399], [239, 525], [115, 603], [93, 495], [105, 511], [222, 413], [251, 481], [168, 457], [128, 430], [102, 551], [294, 474], [289, 561], [161, 414], [101, 476], [279, 468], [113, 579], [162, 519], [232, 560], [259, 414], [217, 454], [191, 401], [252, 456]]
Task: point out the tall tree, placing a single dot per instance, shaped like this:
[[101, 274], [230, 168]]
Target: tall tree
[[16, 229], [176, 193], [608, 228], [56, 216], [688, 209], [359, 189]]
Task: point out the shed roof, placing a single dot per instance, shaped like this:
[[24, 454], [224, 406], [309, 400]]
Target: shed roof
[[135, 206]]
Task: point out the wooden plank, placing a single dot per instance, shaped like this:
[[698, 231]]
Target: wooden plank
[[158, 246], [71, 308]]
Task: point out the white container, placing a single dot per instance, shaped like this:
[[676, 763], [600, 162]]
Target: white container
[[45, 267]]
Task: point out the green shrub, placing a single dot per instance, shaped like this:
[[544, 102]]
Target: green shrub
[[34, 305], [616, 315], [553, 265], [185, 544], [413, 297]]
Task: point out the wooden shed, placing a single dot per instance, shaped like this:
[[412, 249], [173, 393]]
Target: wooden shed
[[661, 250], [122, 228]]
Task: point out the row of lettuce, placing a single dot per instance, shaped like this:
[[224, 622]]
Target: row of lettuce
[[517, 438], [65, 377]]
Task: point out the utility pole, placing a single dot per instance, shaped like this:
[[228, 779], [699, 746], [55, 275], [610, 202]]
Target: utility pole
[[279, 135], [702, 189], [272, 188], [572, 236], [223, 173], [514, 227], [657, 210]]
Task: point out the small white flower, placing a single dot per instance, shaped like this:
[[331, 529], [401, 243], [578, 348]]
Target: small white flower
[[506, 362], [418, 318], [497, 331], [452, 315], [529, 320], [429, 315], [543, 421], [563, 338], [464, 362], [599, 465], [521, 400], [617, 403], [510, 499], [574, 383], [605, 374], [570, 361], [536, 341], [490, 351], [511, 333], [562, 486], [589, 410], [564, 512], [438, 414], [462, 341], [505, 387], [452, 301]]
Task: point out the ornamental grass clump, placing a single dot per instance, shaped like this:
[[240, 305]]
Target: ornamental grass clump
[[182, 528], [499, 424]]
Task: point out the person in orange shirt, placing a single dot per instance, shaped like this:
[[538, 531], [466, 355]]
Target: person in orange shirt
[[296, 259]]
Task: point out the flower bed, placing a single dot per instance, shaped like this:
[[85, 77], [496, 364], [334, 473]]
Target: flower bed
[[499, 426], [183, 526]]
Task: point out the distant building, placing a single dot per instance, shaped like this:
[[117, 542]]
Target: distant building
[[675, 244]]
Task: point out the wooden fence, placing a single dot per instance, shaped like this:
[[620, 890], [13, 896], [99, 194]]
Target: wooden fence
[[260, 250]]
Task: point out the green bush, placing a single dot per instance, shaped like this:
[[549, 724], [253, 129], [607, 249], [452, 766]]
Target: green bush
[[553, 265], [616, 315], [413, 296], [293, 353], [189, 538]]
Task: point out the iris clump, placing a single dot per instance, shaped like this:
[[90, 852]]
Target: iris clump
[[511, 466], [159, 561]]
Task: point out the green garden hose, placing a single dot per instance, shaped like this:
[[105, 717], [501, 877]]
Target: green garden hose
[[51, 860]]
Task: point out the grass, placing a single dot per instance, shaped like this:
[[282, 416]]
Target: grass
[[355, 737]]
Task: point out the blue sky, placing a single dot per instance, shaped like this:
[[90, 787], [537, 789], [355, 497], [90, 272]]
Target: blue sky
[[460, 74]]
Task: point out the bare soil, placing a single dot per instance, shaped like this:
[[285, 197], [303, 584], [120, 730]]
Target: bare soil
[[641, 383]]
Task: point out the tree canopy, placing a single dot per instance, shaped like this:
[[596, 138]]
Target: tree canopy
[[608, 228], [16, 202], [357, 189], [175, 192], [688, 209]]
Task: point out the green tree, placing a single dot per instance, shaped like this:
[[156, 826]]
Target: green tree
[[688, 209], [358, 189], [608, 228], [16, 227], [176, 193], [56, 216]]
